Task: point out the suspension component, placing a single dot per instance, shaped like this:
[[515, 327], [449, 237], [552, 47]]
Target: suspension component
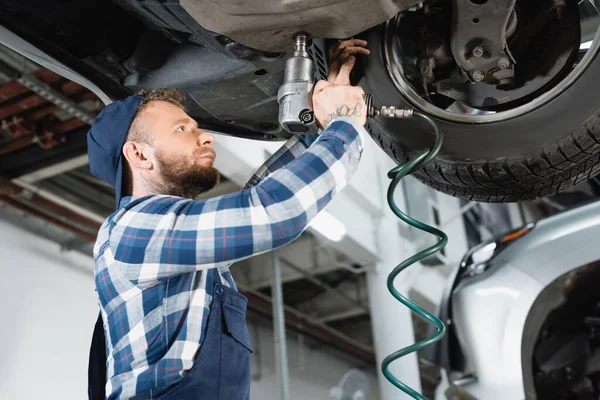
[[479, 40]]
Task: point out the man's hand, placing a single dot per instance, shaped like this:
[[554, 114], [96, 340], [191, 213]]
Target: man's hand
[[342, 58], [335, 97]]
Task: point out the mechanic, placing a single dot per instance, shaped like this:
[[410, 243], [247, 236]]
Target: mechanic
[[172, 323]]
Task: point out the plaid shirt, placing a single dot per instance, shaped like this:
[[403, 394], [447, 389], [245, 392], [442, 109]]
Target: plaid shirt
[[153, 255]]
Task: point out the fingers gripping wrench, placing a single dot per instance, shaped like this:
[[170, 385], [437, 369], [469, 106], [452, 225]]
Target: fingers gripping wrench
[[296, 113]]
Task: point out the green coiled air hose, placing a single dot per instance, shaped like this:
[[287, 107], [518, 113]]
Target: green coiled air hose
[[396, 175]]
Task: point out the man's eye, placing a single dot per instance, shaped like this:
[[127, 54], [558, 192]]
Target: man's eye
[[181, 128]]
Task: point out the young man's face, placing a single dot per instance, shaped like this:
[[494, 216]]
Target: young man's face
[[183, 154]]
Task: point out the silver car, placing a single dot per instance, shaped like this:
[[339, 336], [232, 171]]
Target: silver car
[[523, 314]]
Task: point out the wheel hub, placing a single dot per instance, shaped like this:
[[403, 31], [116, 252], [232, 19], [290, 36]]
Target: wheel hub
[[542, 50]]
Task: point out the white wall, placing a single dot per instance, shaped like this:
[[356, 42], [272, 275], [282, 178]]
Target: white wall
[[48, 309]]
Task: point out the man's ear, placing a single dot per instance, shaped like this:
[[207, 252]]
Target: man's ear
[[135, 154]]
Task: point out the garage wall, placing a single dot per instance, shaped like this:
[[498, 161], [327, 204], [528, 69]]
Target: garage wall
[[48, 309], [313, 370]]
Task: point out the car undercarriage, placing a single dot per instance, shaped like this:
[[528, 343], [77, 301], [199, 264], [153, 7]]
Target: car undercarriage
[[488, 70]]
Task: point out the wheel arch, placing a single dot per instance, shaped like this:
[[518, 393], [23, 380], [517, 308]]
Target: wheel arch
[[554, 295]]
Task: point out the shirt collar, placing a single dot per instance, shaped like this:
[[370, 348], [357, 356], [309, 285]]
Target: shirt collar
[[124, 201]]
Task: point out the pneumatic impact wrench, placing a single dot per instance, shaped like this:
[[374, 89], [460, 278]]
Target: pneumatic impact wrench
[[296, 113]]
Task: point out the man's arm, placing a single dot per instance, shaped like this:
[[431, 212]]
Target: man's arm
[[163, 236], [292, 149]]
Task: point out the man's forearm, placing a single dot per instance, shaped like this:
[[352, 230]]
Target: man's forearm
[[291, 149], [282, 206]]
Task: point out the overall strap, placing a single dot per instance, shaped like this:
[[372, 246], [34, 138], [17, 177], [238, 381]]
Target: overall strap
[[216, 277]]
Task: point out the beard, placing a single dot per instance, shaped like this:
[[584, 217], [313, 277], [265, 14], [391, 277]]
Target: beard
[[184, 177]]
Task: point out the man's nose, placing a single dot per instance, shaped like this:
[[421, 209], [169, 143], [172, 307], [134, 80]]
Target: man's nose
[[205, 138]]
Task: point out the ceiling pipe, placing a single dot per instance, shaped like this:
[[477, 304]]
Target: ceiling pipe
[[48, 218], [41, 101], [48, 93], [16, 193]]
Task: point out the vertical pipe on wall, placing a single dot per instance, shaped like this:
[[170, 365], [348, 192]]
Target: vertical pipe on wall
[[281, 359]]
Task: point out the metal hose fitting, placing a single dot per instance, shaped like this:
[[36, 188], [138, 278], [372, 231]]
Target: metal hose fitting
[[394, 112], [385, 111]]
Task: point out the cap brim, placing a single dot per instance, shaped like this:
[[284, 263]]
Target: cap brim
[[119, 182]]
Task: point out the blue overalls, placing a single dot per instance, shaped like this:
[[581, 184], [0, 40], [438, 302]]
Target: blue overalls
[[221, 369]]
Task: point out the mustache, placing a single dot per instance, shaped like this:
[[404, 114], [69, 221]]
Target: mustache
[[206, 153]]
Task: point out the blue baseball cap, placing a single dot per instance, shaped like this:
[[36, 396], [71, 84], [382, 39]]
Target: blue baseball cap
[[106, 138]]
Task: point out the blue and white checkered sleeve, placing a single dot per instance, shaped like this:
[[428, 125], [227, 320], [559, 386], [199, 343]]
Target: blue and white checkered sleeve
[[163, 236], [292, 149]]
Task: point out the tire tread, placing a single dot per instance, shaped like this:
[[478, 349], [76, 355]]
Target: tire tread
[[552, 169]]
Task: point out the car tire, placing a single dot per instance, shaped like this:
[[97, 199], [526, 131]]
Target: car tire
[[545, 151]]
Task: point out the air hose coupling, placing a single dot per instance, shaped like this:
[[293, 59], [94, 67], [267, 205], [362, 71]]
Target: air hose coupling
[[386, 111], [394, 112]]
